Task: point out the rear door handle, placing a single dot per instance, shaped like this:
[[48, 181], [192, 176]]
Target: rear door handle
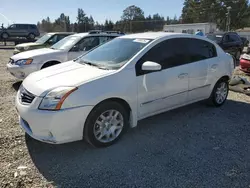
[[183, 75], [214, 66]]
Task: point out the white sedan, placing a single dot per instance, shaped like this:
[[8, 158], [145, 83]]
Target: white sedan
[[101, 94], [69, 48]]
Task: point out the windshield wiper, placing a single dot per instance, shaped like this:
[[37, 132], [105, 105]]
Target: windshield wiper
[[95, 65]]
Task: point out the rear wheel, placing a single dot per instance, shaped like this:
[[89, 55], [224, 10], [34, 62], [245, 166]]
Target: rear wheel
[[106, 124], [31, 36], [219, 93]]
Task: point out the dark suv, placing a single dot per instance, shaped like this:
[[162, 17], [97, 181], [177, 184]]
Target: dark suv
[[230, 42], [20, 30]]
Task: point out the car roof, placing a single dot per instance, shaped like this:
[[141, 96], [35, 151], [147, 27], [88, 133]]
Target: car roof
[[23, 24], [222, 33], [155, 35], [96, 34], [53, 33]]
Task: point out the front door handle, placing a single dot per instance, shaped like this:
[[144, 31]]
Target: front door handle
[[183, 75]]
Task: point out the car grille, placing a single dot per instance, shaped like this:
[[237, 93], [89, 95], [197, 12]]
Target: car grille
[[25, 96], [11, 61]]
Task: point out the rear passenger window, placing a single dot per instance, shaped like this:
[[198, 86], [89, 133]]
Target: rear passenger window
[[60, 37], [233, 38], [32, 27], [200, 49], [23, 27]]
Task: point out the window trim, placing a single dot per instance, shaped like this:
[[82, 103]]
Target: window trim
[[139, 72]]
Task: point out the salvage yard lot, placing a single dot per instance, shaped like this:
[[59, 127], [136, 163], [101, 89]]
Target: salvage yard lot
[[194, 146]]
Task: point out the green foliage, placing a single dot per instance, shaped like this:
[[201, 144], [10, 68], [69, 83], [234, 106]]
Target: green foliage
[[216, 11], [132, 20]]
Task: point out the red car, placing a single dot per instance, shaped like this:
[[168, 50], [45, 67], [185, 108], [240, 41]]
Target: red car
[[245, 63]]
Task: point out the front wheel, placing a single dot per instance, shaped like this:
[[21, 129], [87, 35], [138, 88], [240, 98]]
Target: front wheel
[[219, 93], [105, 124], [5, 36]]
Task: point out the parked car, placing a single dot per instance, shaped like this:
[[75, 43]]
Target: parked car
[[102, 93], [22, 64], [245, 63], [229, 41], [45, 41], [20, 30]]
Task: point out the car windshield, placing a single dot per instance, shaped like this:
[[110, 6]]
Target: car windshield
[[215, 38], [114, 54], [44, 38], [66, 43]]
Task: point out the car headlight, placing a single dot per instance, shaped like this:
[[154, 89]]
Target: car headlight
[[55, 98], [26, 47], [24, 62]]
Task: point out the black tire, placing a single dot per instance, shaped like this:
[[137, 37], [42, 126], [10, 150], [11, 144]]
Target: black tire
[[88, 132], [5, 35], [212, 99], [49, 64], [28, 137], [31, 36]]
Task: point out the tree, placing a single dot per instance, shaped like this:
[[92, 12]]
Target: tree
[[82, 20], [216, 11], [132, 13], [133, 18], [62, 23]]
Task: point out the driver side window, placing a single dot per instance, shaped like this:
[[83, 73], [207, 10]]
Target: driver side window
[[166, 54], [53, 40], [12, 27], [87, 44]]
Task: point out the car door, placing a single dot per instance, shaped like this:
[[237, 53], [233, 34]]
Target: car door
[[12, 30], [83, 46], [203, 58], [165, 89], [22, 30]]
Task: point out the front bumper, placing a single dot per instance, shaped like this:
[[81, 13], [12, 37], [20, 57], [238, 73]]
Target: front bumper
[[21, 72], [16, 51], [54, 127]]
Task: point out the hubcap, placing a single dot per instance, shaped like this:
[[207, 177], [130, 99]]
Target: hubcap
[[221, 93], [108, 126], [5, 36]]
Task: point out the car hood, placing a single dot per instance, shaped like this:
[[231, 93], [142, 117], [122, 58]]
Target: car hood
[[34, 53], [28, 44], [66, 74]]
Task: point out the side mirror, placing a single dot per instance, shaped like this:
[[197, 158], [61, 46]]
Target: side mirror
[[151, 66], [50, 42], [75, 49]]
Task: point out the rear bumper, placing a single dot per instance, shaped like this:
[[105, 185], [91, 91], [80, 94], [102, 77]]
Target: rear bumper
[[245, 65]]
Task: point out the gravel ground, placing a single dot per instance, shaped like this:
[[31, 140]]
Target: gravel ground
[[194, 146]]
